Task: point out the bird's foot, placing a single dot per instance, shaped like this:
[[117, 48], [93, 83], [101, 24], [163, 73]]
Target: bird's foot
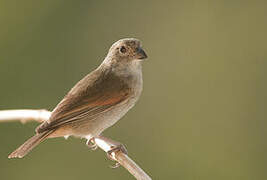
[[114, 149], [91, 144]]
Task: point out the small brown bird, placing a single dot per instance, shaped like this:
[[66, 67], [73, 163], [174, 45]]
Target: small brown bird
[[97, 101]]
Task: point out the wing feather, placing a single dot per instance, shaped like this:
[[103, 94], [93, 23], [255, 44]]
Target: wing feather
[[93, 95]]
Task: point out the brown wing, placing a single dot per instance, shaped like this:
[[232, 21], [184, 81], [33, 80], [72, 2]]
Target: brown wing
[[94, 94]]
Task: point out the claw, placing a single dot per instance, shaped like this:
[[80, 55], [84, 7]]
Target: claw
[[116, 165], [91, 144], [110, 154]]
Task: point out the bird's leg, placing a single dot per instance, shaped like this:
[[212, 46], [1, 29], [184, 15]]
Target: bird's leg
[[116, 147], [111, 147], [91, 144]]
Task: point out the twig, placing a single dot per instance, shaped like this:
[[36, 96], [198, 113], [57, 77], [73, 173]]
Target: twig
[[104, 143], [25, 115]]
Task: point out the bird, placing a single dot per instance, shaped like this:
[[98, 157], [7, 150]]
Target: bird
[[98, 100]]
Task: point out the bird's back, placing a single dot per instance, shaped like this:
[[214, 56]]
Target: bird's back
[[96, 95]]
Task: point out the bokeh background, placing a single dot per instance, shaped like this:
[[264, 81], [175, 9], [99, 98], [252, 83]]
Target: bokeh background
[[202, 114]]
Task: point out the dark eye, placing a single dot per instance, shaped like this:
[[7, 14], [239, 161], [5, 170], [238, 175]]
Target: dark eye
[[123, 49]]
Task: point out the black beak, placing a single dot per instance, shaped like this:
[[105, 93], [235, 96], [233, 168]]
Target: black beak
[[141, 54]]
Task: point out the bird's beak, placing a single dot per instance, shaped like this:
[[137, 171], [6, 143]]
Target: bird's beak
[[141, 54]]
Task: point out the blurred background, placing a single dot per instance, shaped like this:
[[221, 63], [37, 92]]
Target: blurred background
[[202, 114]]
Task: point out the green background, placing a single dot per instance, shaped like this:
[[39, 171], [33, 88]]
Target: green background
[[202, 114]]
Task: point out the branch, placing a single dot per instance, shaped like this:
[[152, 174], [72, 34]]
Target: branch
[[104, 143]]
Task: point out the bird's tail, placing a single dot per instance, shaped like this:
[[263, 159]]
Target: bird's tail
[[25, 148]]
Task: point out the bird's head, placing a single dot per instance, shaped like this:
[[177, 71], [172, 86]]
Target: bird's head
[[127, 50]]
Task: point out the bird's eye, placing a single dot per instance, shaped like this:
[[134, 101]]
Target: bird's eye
[[123, 49]]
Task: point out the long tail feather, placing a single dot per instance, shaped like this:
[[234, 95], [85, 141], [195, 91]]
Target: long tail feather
[[25, 148]]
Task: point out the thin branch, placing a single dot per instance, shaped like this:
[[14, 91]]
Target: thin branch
[[25, 115], [103, 143], [121, 157]]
